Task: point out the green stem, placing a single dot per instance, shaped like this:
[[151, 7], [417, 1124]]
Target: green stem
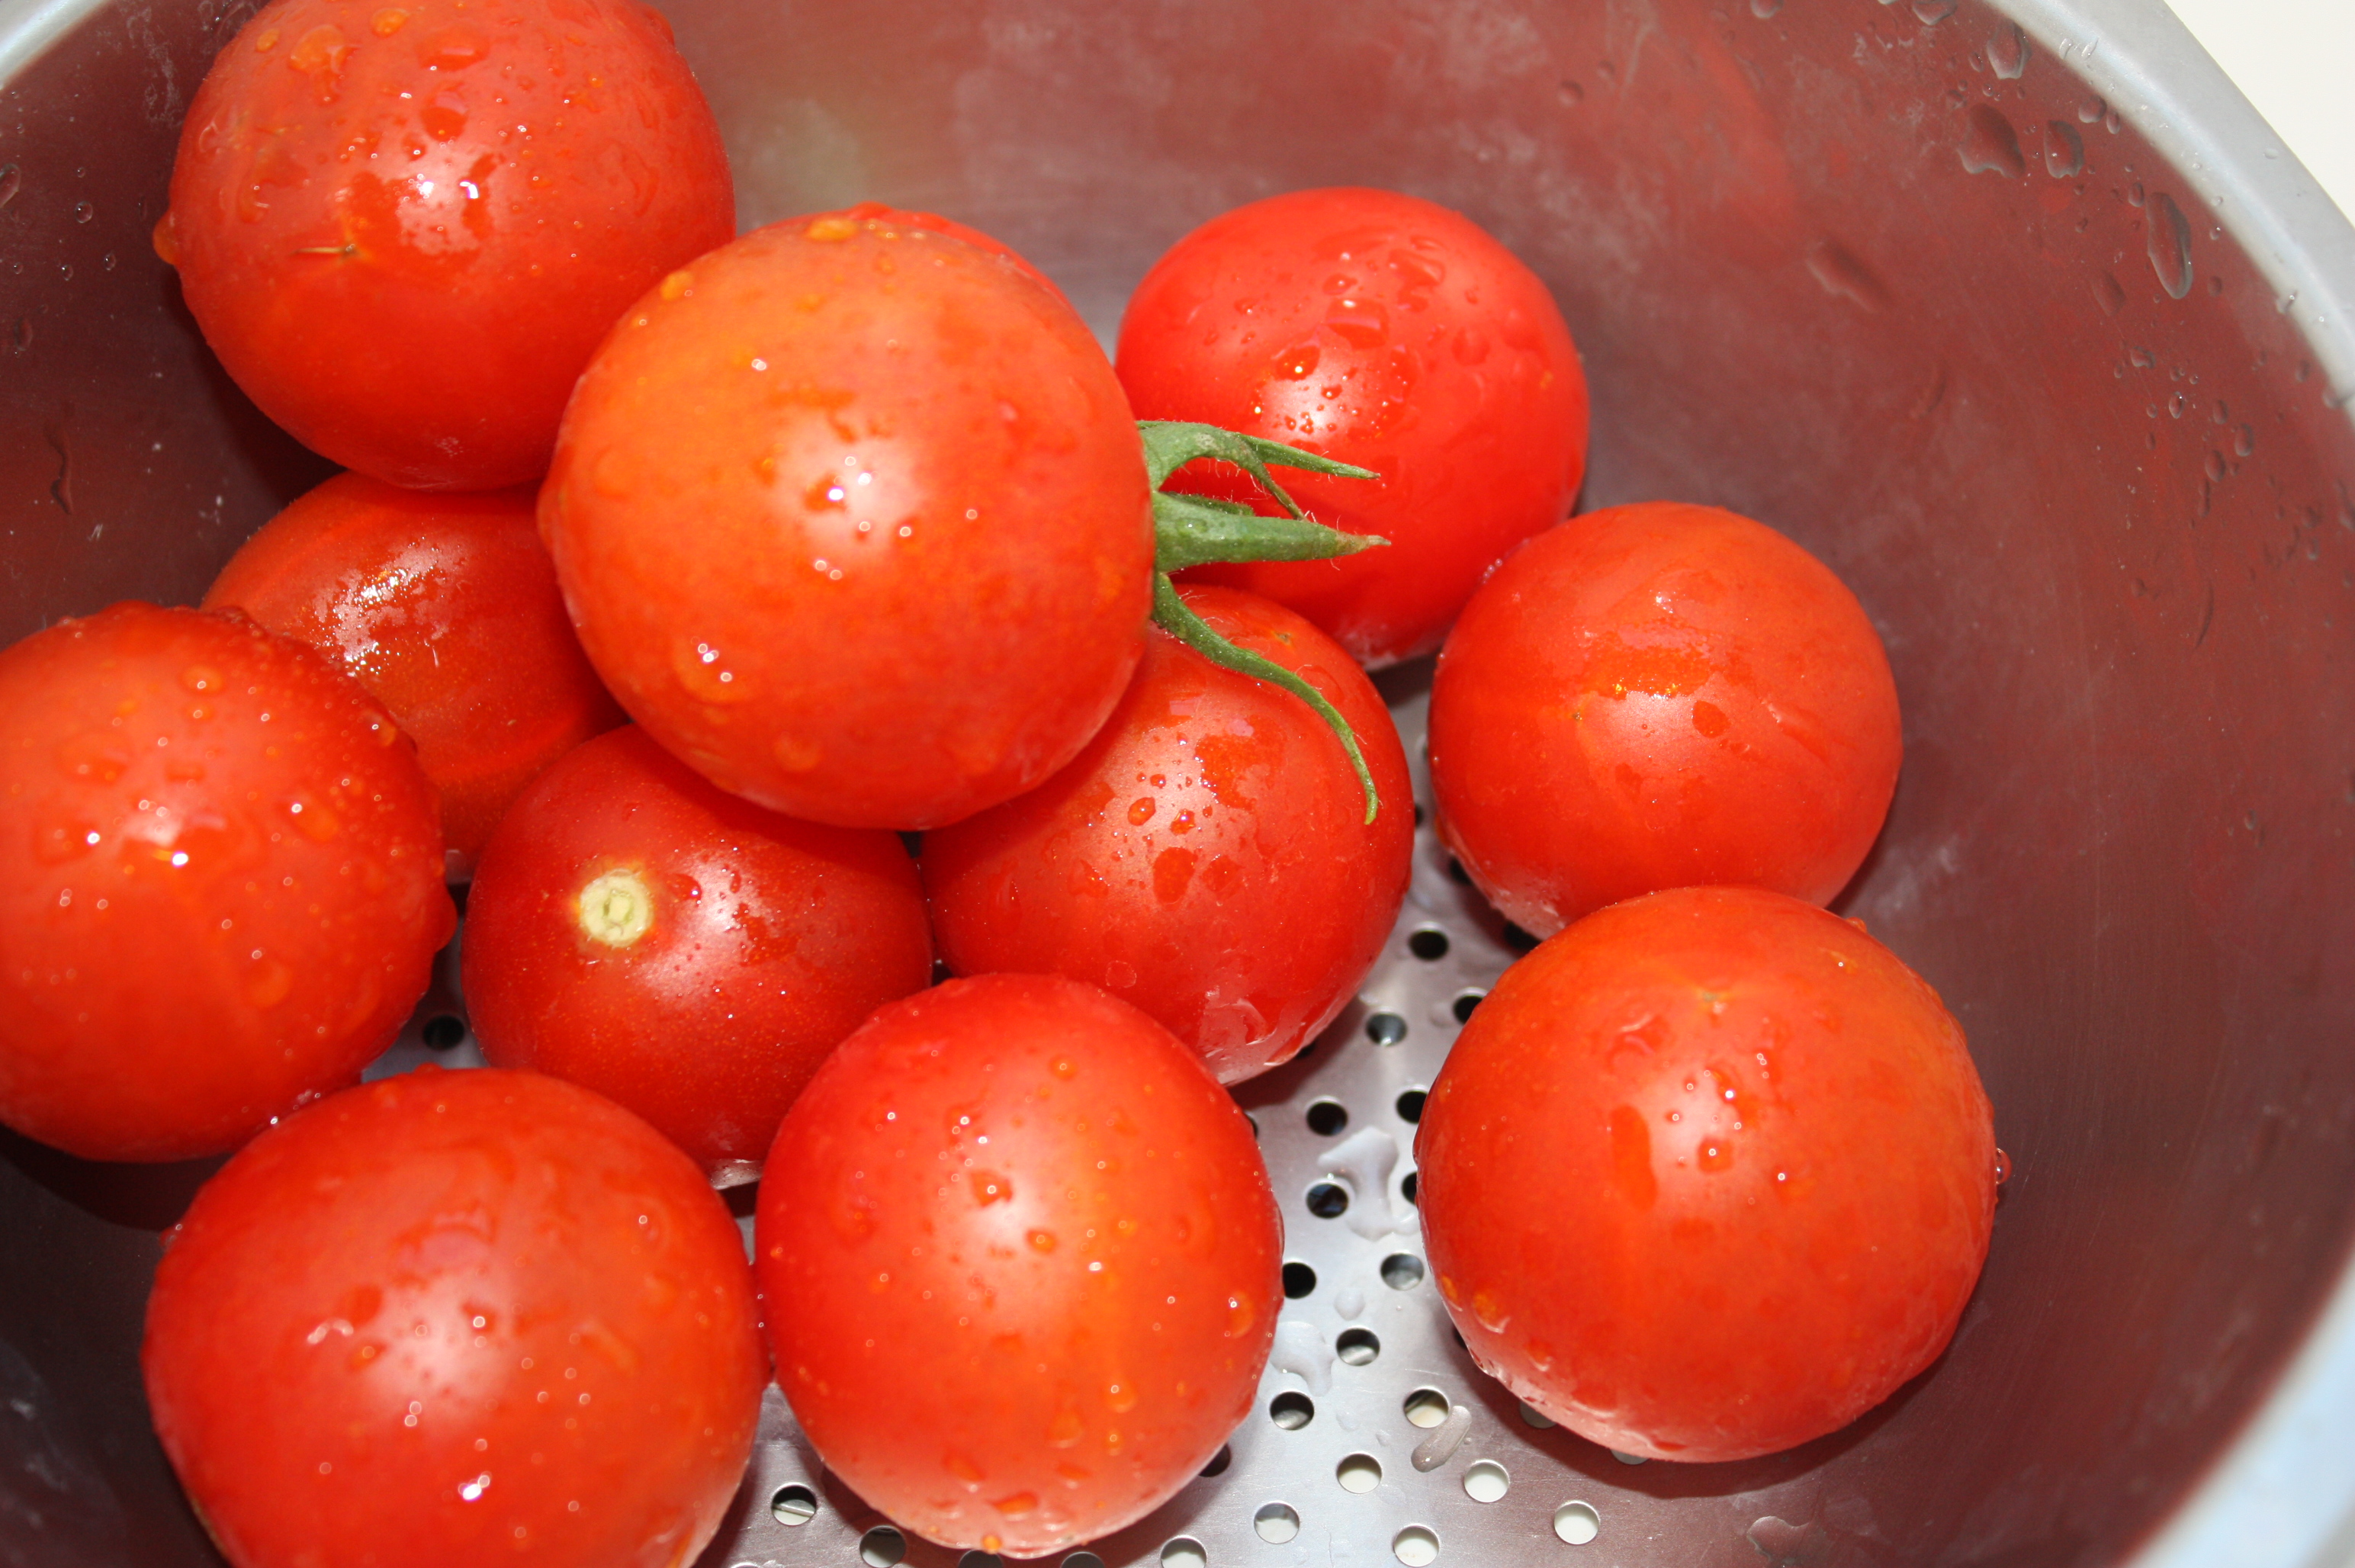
[[1195, 530]]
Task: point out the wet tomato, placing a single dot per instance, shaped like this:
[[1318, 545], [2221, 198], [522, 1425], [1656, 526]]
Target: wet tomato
[[690, 954], [457, 1318], [1708, 1174], [445, 607], [220, 882], [1019, 1259], [1207, 857], [1382, 330], [1659, 696], [852, 517], [404, 227]]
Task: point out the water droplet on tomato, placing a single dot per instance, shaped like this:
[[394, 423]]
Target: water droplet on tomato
[[1298, 362], [1362, 324], [445, 119], [1715, 1153], [454, 47], [2002, 1168]]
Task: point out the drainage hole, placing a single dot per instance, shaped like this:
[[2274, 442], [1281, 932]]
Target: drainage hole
[[1464, 1004], [1577, 1523], [1291, 1410], [1486, 1481], [1299, 1279], [1356, 1347], [881, 1547], [1430, 943], [1426, 1408], [1401, 1270], [1326, 1118], [1327, 1201], [1385, 1028], [1276, 1522], [1417, 1546], [796, 1504], [1359, 1473]]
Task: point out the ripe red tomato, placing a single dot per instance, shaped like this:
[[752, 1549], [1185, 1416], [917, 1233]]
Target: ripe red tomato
[[220, 882], [1708, 1174], [1380, 330], [1207, 857], [445, 608], [1020, 1261], [690, 954], [1659, 696], [457, 1318], [852, 517], [404, 227]]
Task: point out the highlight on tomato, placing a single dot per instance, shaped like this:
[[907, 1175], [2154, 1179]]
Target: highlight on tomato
[[1207, 857], [1708, 1174], [1019, 1261], [1386, 331], [403, 228], [690, 955], [463, 1318], [1658, 696], [445, 607], [220, 882]]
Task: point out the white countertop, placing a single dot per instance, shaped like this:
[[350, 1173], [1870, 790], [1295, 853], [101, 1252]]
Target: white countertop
[[2296, 60]]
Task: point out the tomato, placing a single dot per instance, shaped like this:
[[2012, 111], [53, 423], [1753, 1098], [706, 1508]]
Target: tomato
[[1708, 1174], [853, 518], [1020, 1261], [1384, 331], [403, 228], [1207, 857], [220, 882], [687, 954], [1658, 696], [456, 1318], [445, 608]]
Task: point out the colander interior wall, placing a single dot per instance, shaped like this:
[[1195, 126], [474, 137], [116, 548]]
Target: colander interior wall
[[1889, 276]]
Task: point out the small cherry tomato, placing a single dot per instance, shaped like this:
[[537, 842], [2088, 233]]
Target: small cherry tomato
[[1382, 330], [1020, 1260], [687, 954], [1207, 857], [852, 517], [457, 1318], [445, 608], [1708, 1174], [220, 882], [404, 227], [1660, 695]]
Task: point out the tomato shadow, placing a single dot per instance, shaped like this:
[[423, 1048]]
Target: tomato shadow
[[1666, 1478], [135, 1197]]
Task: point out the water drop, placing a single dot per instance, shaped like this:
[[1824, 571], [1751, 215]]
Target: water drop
[[11, 182], [2167, 240], [1932, 12], [84, 212], [1766, 10], [2002, 1168], [2008, 51], [2244, 442], [2090, 113], [1570, 92], [2064, 149], [1991, 145]]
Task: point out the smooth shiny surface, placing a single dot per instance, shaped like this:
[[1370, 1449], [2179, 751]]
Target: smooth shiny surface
[[1881, 275]]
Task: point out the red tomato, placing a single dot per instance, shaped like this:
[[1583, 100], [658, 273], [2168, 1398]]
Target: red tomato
[[1658, 696], [1384, 331], [457, 1318], [1207, 857], [445, 608], [1708, 1174], [1020, 1259], [852, 517], [220, 882], [687, 954], [403, 228]]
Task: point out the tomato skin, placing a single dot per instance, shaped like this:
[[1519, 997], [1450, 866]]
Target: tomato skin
[[1659, 696], [1043, 1188], [852, 517], [1385, 331], [456, 1318], [404, 227], [220, 882], [1207, 857], [445, 607], [766, 941], [1708, 1174]]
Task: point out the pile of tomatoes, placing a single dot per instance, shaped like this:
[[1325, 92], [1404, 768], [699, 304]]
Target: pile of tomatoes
[[749, 625]]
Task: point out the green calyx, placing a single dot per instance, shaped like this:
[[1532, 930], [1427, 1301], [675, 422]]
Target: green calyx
[[1194, 530]]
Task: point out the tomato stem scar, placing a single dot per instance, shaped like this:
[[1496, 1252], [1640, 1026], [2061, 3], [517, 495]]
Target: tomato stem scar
[[1193, 530], [616, 909]]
